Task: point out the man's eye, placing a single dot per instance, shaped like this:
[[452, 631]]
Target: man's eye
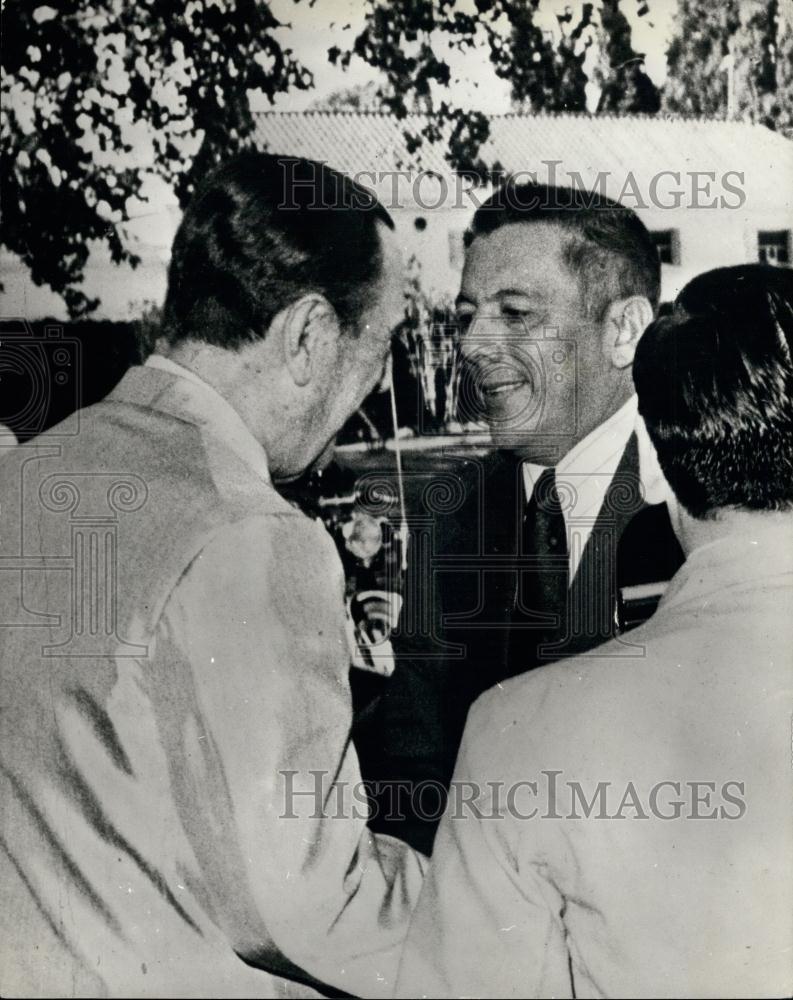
[[522, 317], [464, 320]]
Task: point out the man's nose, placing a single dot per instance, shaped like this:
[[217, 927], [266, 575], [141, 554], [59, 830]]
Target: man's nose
[[469, 348], [481, 340], [484, 333]]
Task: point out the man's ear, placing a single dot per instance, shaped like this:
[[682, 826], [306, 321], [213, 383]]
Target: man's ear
[[309, 330], [625, 322]]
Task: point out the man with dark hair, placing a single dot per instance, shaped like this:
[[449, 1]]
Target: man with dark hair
[[570, 518], [557, 288], [273, 231], [723, 433], [180, 797], [622, 827]]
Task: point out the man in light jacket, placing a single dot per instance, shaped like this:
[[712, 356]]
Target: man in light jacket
[[177, 775]]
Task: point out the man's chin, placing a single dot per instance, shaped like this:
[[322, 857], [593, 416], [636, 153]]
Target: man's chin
[[511, 438], [322, 461], [535, 444], [325, 457]]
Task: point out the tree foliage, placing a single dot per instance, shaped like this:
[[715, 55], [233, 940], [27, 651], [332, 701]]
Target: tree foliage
[[746, 40], [546, 73], [545, 69], [781, 110], [363, 97], [762, 57], [81, 78], [99, 94], [625, 86]]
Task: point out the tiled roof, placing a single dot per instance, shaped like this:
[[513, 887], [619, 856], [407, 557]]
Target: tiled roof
[[370, 140]]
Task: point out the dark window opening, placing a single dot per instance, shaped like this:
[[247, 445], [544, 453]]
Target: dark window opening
[[773, 247], [667, 243]]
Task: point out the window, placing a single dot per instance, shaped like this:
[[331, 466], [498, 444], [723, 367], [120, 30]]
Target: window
[[773, 247], [667, 243]]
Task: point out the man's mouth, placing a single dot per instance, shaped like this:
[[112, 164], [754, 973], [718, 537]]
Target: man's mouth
[[492, 390]]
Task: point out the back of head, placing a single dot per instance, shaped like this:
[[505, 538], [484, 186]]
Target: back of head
[[608, 246], [715, 385], [260, 232]]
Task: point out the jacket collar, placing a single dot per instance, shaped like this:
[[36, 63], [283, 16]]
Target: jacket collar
[[164, 385], [756, 559]]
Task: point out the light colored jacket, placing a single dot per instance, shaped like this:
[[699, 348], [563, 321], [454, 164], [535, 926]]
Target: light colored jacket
[[622, 826], [174, 665]]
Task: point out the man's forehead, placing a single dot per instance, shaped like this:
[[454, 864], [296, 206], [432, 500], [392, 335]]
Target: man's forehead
[[517, 256]]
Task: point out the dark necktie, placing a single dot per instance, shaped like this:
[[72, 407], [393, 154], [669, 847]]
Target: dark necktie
[[543, 588]]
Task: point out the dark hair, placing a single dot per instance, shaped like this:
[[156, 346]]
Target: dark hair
[[260, 232], [609, 247], [715, 385]]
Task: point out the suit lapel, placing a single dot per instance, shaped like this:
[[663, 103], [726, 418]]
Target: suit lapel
[[592, 599], [591, 614]]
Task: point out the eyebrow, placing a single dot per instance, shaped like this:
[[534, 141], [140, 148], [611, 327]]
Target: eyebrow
[[527, 293], [504, 293]]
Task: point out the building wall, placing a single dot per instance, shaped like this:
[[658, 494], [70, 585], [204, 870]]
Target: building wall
[[706, 238]]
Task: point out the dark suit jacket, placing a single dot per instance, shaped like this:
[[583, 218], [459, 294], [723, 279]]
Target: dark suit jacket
[[470, 635]]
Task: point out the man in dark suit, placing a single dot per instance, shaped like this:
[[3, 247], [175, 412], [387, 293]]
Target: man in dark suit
[[534, 893], [562, 539]]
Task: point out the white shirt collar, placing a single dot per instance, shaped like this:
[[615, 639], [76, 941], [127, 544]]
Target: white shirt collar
[[599, 453], [589, 468], [219, 416]]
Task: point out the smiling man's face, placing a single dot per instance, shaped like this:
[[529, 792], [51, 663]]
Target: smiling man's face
[[537, 357]]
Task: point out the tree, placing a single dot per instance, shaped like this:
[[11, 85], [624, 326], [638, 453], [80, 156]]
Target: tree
[[545, 74], [99, 94], [546, 71], [80, 78], [746, 41], [781, 110], [696, 82], [400, 38], [625, 87], [756, 65]]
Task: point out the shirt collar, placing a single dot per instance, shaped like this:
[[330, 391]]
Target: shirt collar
[[589, 468], [203, 405], [598, 454]]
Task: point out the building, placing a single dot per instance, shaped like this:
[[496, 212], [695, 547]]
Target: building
[[712, 192]]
